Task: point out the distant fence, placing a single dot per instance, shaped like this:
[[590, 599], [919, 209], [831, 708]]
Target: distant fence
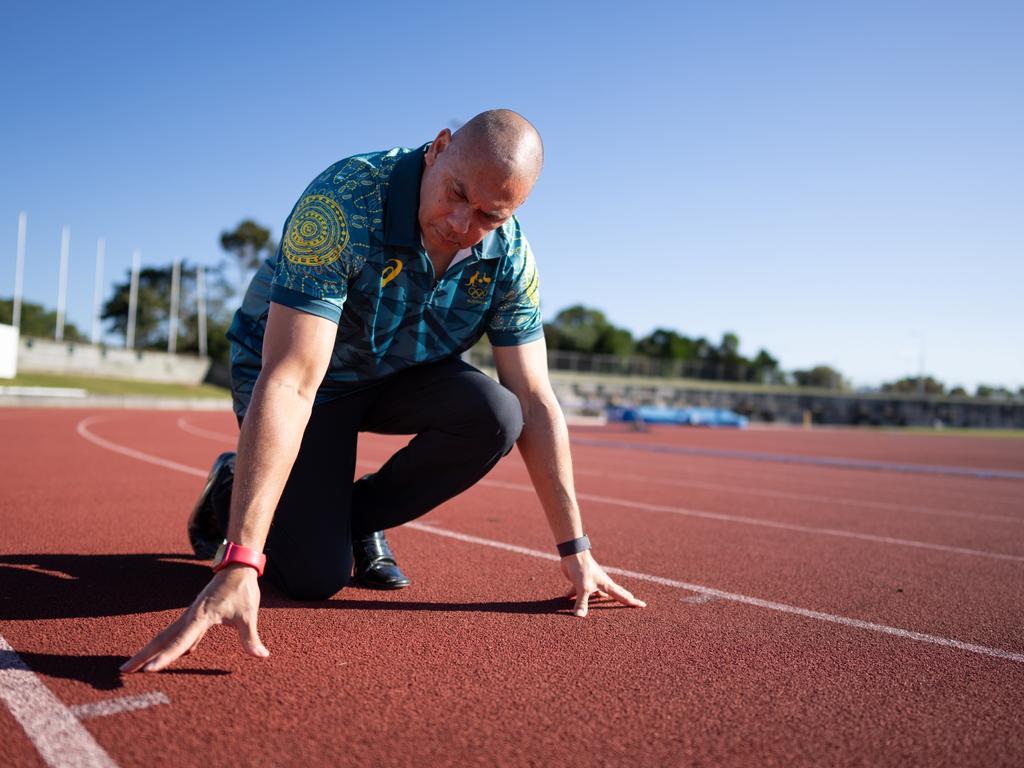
[[633, 365], [47, 356]]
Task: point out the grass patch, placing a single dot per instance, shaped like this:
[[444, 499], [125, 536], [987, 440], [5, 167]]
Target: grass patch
[[99, 386]]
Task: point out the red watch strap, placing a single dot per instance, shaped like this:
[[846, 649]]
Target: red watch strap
[[236, 553]]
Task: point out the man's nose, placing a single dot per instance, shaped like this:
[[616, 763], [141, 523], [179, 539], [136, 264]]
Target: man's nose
[[460, 219]]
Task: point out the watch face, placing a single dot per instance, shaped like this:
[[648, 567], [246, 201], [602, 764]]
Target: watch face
[[221, 551]]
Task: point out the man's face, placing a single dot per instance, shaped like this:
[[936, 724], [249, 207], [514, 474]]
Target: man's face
[[462, 198]]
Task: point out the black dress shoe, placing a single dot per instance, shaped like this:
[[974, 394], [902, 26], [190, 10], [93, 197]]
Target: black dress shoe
[[375, 565], [207, 526]]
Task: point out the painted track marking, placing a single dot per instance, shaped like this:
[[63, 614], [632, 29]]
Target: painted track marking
[[795, 458], [61, 740], [717, 594], [882, 505], [757, 602], [118, 705], [719, 516]]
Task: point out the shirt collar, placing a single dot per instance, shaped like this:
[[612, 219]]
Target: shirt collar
[[401, 212]]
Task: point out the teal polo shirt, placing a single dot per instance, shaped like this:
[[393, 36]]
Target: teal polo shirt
[[351, 252]]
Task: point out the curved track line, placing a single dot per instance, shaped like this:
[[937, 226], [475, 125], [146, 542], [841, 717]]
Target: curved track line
[[730, 518], [757, 602], [82, 428], [887, 506], [191, 429], [818, 461]]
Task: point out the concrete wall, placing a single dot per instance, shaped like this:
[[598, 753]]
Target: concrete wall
[[46, 356], [8, 351]]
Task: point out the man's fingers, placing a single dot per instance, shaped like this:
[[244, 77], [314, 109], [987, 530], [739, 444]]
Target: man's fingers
[[581, 603], [154, 646], [250, 637], [184, 641], [623, 595]]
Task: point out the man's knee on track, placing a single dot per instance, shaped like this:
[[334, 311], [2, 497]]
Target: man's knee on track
[[311, 583], [502, 419]]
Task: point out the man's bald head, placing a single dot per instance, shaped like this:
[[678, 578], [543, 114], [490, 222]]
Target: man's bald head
[[474, 180], [503, 138]]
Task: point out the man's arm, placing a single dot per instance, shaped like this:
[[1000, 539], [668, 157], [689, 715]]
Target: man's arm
[[296, 352], [544, 445]]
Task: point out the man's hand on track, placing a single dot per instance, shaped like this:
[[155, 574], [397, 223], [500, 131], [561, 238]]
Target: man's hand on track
[[588, 578], [232, 598]]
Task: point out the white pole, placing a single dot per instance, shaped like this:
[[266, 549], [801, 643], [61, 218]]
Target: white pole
[[133, 300], [19, 270], [201, 299], [97, 296], [62, 281], [172, 331]]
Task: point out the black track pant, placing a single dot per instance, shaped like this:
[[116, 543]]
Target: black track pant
[[463, 422]]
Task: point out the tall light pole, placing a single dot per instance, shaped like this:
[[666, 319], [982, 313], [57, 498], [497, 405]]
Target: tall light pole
[[19, 270], [97, 294], [62, 281], [133, 301], [172, 330], [201, 299]]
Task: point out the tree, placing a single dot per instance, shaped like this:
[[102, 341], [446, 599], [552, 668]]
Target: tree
[[992, 391], [38, 322], [582, 329], [820, 376], [958, 391], [765, 369], [666, 344], [249, 243], [152, 323], [914, 385]]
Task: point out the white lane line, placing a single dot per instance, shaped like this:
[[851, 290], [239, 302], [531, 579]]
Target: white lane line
[[714, 593], [185, 426], [721, 516], [717, 594], [120, 704], [845, 501], [199, 432], [61, 740], [83, 429]]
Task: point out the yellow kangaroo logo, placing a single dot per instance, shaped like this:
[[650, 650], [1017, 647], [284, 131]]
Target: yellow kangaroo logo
[[478, 278], [390, 272]]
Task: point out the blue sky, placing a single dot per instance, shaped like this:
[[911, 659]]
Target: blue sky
[[837, 182]]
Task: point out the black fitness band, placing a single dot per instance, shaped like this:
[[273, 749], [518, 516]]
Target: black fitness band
[[574, 546]]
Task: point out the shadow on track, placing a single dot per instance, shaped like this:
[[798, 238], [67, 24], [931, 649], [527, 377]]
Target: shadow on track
[[98, 671], [58, 586], [61, 586]]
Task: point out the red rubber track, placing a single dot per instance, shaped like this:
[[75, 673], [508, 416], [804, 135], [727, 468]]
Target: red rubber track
[[480, 663]]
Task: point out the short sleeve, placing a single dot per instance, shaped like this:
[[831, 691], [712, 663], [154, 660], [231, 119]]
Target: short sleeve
[[315, 259], [516, 317]]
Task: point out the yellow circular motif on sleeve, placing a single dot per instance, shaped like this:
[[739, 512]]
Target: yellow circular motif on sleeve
[[317, 233]]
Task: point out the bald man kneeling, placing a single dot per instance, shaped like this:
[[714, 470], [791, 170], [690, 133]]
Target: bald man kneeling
[[391, 265]]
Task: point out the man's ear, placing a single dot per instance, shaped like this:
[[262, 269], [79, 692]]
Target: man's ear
[[439, 145]]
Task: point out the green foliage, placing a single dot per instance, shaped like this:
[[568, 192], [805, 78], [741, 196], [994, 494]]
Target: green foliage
[[820, 376], [915, 384], [993, 392], [152, 323], [581, 329], [37, 321], [249, 243]]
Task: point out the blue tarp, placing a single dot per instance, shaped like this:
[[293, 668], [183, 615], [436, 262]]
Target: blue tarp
[[704, 417]]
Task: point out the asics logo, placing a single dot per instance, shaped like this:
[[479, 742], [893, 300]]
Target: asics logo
[[390, 272]]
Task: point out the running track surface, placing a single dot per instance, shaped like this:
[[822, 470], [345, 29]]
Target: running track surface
[[798, 613]]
